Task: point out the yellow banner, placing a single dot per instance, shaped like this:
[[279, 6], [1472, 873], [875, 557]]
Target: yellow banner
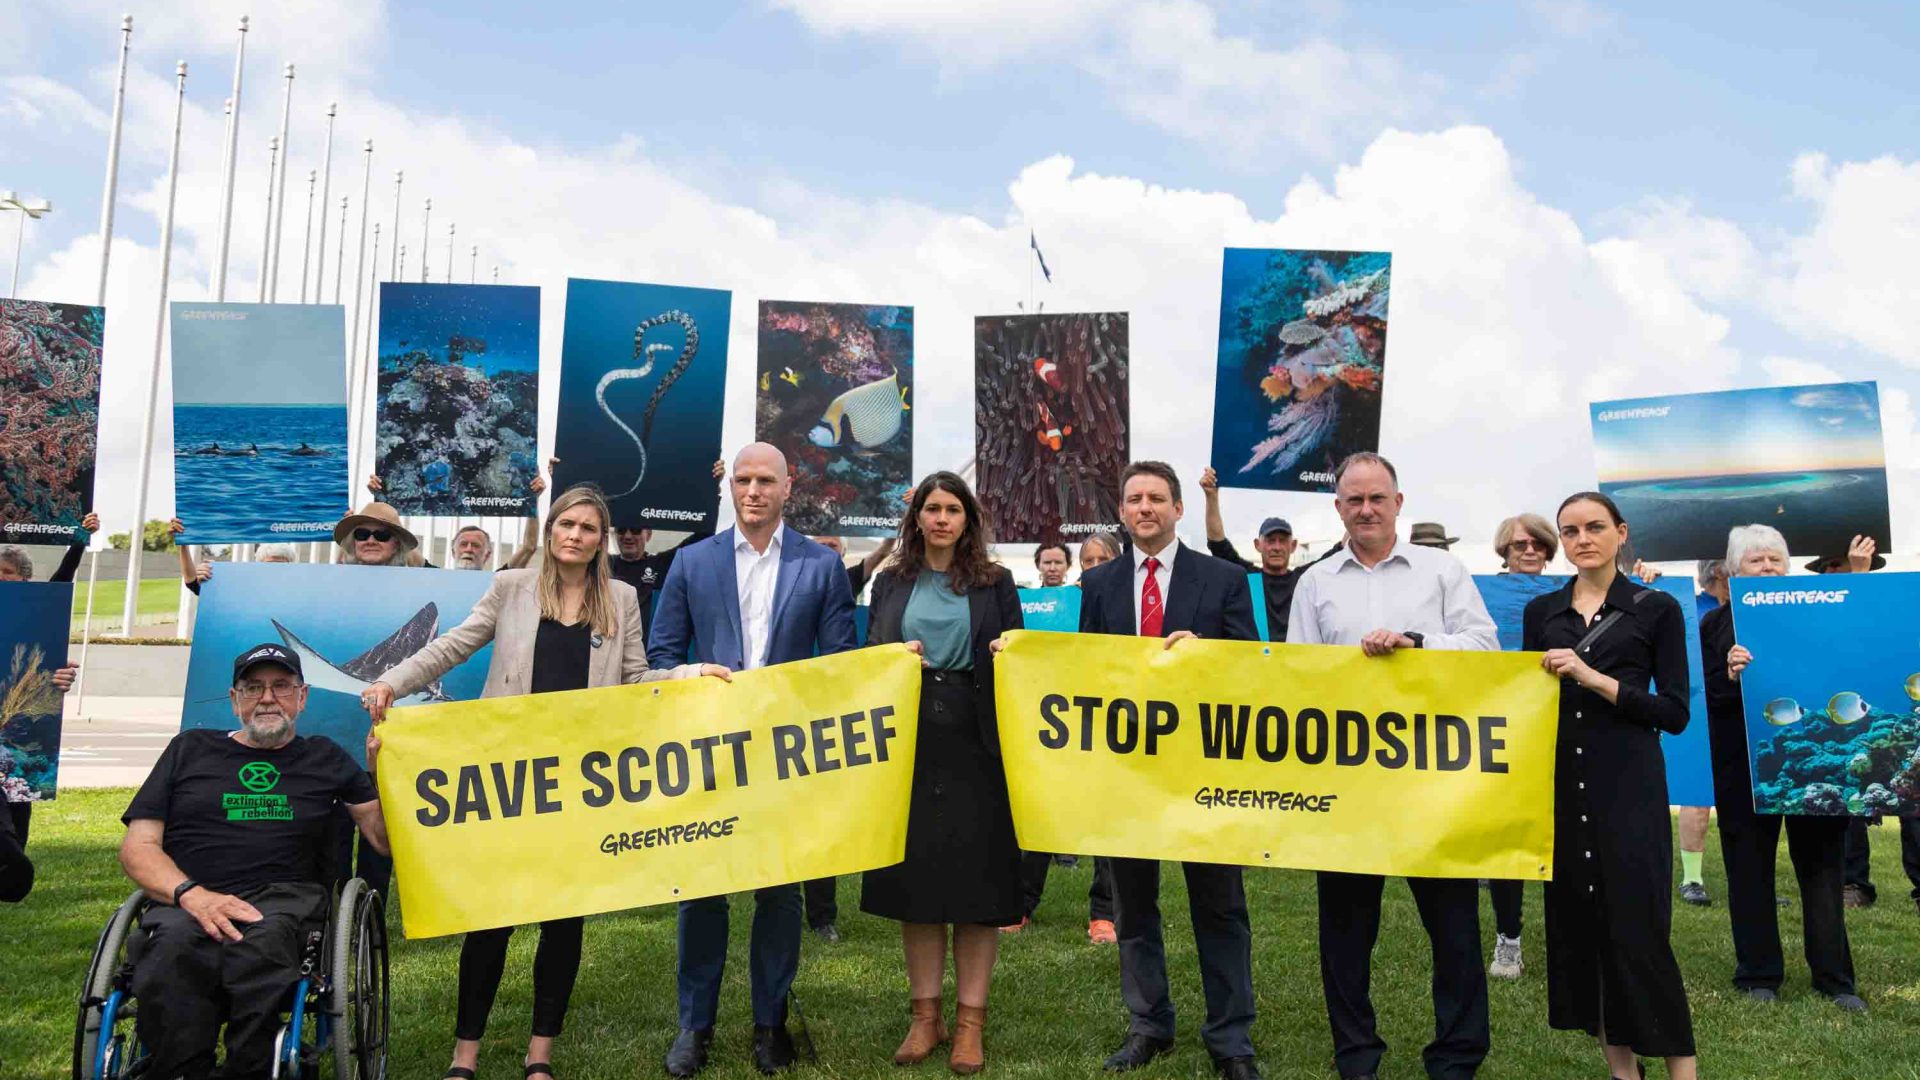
[[514, 810], [1424, 763]]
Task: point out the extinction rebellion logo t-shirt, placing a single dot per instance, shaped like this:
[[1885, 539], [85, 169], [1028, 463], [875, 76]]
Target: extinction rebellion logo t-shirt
[[237, 817]]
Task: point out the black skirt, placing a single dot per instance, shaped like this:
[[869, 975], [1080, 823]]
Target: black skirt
[[962, 864]]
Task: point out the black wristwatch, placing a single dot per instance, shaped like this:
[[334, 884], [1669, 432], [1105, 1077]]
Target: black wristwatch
[[181, 890], [1419, 640]]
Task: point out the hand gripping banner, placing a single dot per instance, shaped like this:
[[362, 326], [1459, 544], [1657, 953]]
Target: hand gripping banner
[[514, 810], [1317, 757]]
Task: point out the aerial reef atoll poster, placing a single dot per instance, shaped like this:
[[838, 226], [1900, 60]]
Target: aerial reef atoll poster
[[1051, 426], [49, 417], [459, 399], [834, 393], [1302, 355]]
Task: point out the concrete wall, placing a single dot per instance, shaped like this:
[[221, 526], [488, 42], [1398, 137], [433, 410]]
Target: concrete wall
[[135, 670]]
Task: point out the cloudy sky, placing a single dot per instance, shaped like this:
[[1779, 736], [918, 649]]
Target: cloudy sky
[[1584, 200]]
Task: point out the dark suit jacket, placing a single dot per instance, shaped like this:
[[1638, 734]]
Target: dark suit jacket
[[1206, 595], [698, 613], [993, 610]]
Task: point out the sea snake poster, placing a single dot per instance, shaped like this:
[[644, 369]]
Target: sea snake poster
[[834, 391], [1051, 428], [642, 380], [1686, 468], [49, 418], [259, 421]]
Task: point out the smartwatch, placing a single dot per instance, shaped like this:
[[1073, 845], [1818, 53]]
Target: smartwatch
[[1419, 639], [182, 888]]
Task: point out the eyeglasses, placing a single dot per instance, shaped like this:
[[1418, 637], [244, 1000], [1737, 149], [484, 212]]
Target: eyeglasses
[[252, 691], [1526, 543], [381, 535]]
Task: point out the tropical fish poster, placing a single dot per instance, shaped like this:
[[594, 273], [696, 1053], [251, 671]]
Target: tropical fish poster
[[642, 382], [348, 624], [34, 617], [1303, 350], [1689, 758], [259, 421], [49, 417], [834, 393], [1832, 697], [459, 399], [1686, 468], [1051, 426]]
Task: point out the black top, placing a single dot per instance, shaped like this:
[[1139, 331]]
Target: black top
[[1277, 587], [561, 656], [857, 578], [1726, 718], [69, 563], [648, 572], [238, 817]]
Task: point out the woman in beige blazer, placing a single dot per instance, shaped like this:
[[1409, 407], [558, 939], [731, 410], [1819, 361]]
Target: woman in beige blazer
[[567, 625]]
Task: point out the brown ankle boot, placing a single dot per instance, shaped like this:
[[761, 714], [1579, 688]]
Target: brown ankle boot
[[925, 1032], [969, 1053]]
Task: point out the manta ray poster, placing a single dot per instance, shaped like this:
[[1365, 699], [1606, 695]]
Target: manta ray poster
[[1807, 460], [834, 393], [349, 625], [1832, 697], [1303, 349], [49, 418], [259, 421], [1051, 428], [33, 645], [642, 381], [459, 399]]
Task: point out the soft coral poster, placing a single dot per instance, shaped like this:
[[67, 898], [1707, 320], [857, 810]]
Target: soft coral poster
[[49, 417]]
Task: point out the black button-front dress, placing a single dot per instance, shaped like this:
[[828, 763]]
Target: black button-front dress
[[1610, 903]]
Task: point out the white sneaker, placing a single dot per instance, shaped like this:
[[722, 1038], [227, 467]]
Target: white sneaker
[[1506, 958]]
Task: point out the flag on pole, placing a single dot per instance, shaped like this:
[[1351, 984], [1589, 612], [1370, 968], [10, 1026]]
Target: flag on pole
[[1035, 245]]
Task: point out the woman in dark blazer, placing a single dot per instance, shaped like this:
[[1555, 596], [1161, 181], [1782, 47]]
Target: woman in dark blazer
[[1620, 651], [943, 594]]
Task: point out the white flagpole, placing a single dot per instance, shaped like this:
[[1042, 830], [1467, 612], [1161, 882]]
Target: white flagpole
[[403, 258], [393, 266], [266, 222], [231, 161], [340, 257], [496, 273], [138, 533], [280, 192], [333, 553], [370, 354], [113, 173], [306, 236], [473, 267], [356, 380], [326, 192], [425, 219], [86, 636], [450, 252]]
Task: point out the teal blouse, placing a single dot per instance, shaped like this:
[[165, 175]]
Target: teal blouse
[[941, 621]]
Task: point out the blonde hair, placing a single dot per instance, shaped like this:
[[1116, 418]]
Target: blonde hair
[[597, 606], [1534, 525]]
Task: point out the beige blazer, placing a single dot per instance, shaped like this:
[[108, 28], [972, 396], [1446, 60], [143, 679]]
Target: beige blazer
[[509, 617]]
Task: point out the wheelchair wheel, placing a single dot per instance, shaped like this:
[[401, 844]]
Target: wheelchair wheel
[[359, 985], [103, 991]]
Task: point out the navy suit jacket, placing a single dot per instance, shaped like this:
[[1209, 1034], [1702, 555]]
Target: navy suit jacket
[[698, 614], [1206, 595]]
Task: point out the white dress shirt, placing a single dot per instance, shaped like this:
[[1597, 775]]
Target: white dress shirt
[[1162, 575], [1419, 589], [756, 573]]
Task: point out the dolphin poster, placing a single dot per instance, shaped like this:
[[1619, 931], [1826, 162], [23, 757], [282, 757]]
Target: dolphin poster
[[348, 624]]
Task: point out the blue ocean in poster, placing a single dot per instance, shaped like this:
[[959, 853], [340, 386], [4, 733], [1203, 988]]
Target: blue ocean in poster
[[642, 384], [1832, 696], [1057, 608], [1689, 761], [350, 624], [259, 421], [33, 645]]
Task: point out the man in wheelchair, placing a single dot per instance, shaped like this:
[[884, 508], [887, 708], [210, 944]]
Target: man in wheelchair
[[229, 838]]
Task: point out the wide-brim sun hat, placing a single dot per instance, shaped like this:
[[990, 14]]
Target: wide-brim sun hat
[[375, 515]]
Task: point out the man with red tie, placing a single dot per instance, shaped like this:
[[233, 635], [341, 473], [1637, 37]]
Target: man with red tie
[[1169, 590]]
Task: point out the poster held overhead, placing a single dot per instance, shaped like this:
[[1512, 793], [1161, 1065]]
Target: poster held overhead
[[49, 418]]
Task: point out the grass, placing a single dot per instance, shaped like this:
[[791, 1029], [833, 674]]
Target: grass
[[156, 597], [1056, 1008]]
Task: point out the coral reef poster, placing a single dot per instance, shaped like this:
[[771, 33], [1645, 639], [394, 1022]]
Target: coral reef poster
[[459, 404], [642, 381], [259, 421], [1832, 697], [835, 395], [49, 417], [349, 625], [1689, 759], [1685, 468], [33, 645], [1303, 349], [1050, 420]]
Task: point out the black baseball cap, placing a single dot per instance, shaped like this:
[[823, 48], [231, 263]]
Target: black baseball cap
[[1274, 525], [268, 653]]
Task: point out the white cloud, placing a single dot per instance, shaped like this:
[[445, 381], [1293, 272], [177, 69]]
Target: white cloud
[[1793, 371], [1712, 258], [1853, 274], [29, 101], [977, 32]]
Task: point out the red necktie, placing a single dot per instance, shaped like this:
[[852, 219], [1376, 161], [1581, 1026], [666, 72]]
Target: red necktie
[[1151, 606]]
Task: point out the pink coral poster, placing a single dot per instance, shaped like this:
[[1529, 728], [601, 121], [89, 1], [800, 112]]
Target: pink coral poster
[[49, 417]]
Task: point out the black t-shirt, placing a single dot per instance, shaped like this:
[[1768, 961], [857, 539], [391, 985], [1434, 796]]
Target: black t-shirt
[[237, 817], [562, 656], [647, 573], [1277, 588]]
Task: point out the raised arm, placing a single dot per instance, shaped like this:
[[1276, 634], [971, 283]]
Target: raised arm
[[451, 649]]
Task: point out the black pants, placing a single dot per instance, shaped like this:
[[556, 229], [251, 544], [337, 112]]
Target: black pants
[[823, 903], [1349, 926], [1858, 862], [186, 983], [16, 870], [1218, 904], [1033, 884], [1816, 846], [1506, 907], [483, 958], [373, 868]]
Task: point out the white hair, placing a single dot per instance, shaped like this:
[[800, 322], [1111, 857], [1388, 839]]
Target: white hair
[[274, 553], [1742, 539], [17, 558]]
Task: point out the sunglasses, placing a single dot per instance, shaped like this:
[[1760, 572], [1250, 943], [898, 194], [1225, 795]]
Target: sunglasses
[[1527, 544], [381, 535]]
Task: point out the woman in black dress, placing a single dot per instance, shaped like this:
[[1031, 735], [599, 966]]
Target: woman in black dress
[[943, 594], [1620, 651]]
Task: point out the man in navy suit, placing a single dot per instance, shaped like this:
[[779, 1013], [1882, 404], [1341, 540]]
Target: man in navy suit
[[757, 594], [1165, 589]]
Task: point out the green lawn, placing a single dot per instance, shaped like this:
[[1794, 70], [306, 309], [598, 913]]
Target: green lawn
[[1056, 1009], [156, 596]]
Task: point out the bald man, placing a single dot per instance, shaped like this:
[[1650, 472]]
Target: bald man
[[755, 595]]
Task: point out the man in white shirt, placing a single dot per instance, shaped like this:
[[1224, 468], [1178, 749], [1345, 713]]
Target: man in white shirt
[[1385, 595]]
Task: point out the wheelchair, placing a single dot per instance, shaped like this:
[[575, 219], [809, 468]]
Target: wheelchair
[[339, 1010]]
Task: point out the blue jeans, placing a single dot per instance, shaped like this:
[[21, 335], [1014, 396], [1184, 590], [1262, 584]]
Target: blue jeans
[[773, 959]]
